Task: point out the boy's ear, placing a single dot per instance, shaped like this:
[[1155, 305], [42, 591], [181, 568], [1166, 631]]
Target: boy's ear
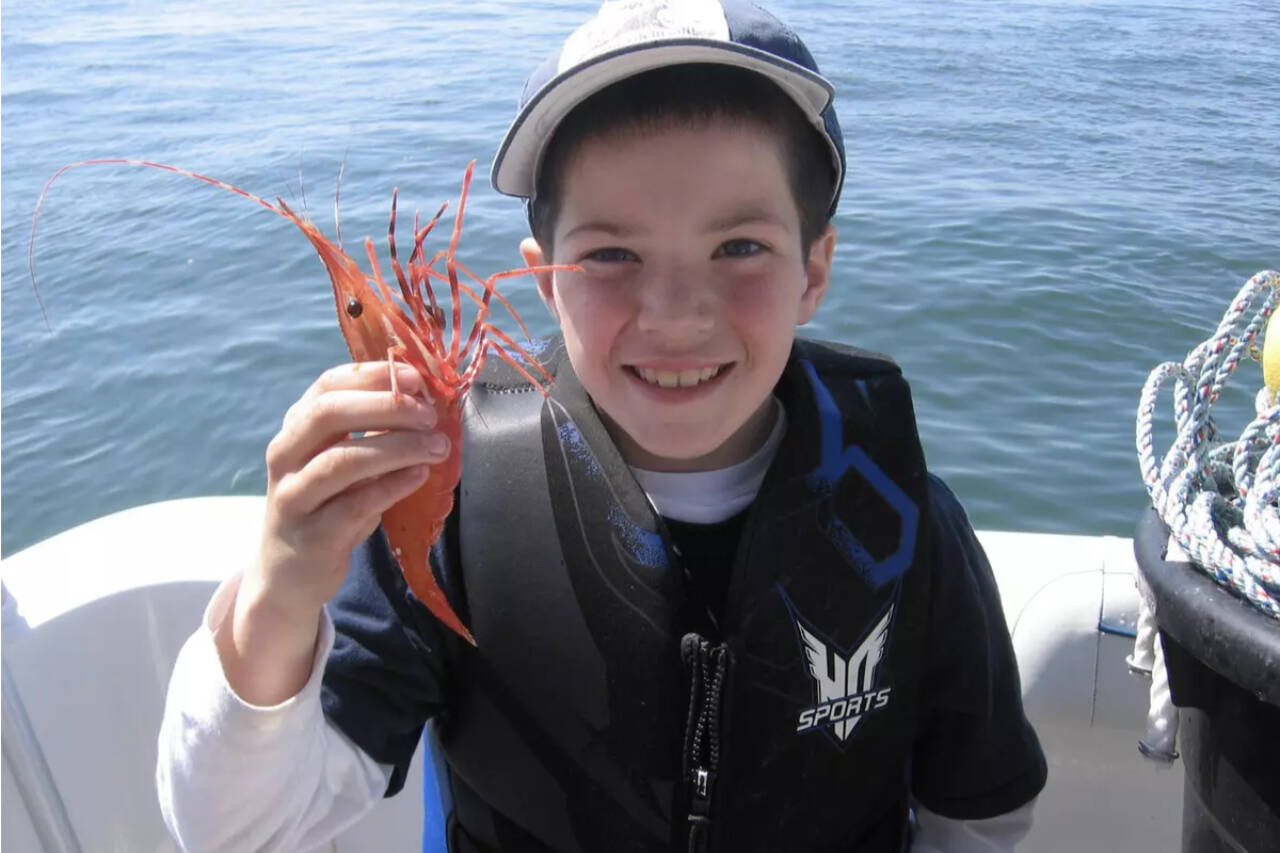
[[817, 272], [534, 257]]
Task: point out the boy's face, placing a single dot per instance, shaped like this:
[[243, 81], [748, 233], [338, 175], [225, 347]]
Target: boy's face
[[694, 282]]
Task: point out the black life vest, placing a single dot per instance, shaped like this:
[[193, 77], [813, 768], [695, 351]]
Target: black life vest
[[582, 722]]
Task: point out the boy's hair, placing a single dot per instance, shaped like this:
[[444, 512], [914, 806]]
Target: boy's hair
[[685, 96]]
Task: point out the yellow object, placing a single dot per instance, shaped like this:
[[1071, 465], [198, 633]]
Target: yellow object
[[1271, 356]]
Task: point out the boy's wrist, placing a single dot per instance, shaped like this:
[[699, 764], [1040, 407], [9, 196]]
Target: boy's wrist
[[267, 649], [283, 609]]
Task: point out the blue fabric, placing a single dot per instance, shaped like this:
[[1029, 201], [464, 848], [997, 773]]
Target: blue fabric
[[437, 801]]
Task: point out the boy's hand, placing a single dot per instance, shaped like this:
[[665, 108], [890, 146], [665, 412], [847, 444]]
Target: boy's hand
[[326, 491]]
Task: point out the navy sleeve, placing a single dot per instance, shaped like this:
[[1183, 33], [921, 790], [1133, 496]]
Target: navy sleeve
[[387, 672], [976, 756]]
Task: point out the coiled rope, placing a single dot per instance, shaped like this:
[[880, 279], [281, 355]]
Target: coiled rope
[[1219, 498]]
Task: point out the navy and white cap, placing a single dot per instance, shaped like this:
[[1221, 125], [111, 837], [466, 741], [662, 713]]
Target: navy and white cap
[[627, 37]]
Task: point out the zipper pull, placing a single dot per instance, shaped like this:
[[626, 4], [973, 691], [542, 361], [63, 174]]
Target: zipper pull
[[700, 802], [701, 784], [700, 809]]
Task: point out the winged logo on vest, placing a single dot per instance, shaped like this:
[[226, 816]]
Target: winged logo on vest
[[847, 686]]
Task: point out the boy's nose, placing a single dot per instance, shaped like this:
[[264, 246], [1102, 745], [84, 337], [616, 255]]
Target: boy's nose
[[677, 306]]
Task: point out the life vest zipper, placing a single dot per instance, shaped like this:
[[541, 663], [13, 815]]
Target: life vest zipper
[[708, 666]]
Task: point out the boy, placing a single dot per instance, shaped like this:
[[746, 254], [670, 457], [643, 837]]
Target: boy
[[719, 603]]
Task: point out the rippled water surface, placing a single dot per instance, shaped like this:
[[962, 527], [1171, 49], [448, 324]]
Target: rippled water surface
[[1045, 199]]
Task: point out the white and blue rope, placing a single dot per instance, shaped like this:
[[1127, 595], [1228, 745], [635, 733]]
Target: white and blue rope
[[1220, 499]]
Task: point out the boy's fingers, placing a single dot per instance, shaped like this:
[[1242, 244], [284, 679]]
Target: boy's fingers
[[366, 376], [360, 507], [315, 423], [343, 411], [351, 461]]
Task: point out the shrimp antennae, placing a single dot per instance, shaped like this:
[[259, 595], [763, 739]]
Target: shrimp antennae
[[35, 216], [302, 187], [337, 196]]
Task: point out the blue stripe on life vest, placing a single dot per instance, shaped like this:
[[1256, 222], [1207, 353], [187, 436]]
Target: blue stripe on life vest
[[437, 799], [835, 460]]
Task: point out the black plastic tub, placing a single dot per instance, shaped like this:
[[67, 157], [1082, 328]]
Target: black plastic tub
[[1223, 657]]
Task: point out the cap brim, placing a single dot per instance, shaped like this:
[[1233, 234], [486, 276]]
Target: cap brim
[[516, 166]]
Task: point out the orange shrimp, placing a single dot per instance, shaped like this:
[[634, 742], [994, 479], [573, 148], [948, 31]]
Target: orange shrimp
[[376, 327]]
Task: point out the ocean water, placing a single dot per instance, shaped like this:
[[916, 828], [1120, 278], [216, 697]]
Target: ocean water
[[1044, 200]]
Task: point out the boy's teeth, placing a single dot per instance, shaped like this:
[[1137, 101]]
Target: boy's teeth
[[677, 378]]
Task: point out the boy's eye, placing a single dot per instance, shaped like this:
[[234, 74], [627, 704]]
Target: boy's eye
[[610, 255], [738, 249]]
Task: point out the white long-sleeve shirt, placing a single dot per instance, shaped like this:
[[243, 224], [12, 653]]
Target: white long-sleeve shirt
[[232, 776]]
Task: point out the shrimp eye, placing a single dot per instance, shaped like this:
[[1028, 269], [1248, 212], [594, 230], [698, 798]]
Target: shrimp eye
[[437, 314], [354, 308]]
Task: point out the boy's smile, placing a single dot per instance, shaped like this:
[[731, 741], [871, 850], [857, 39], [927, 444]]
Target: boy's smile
[[694, 282]]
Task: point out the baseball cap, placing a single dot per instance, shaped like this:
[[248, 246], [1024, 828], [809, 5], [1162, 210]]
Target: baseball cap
[[627, 37]]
